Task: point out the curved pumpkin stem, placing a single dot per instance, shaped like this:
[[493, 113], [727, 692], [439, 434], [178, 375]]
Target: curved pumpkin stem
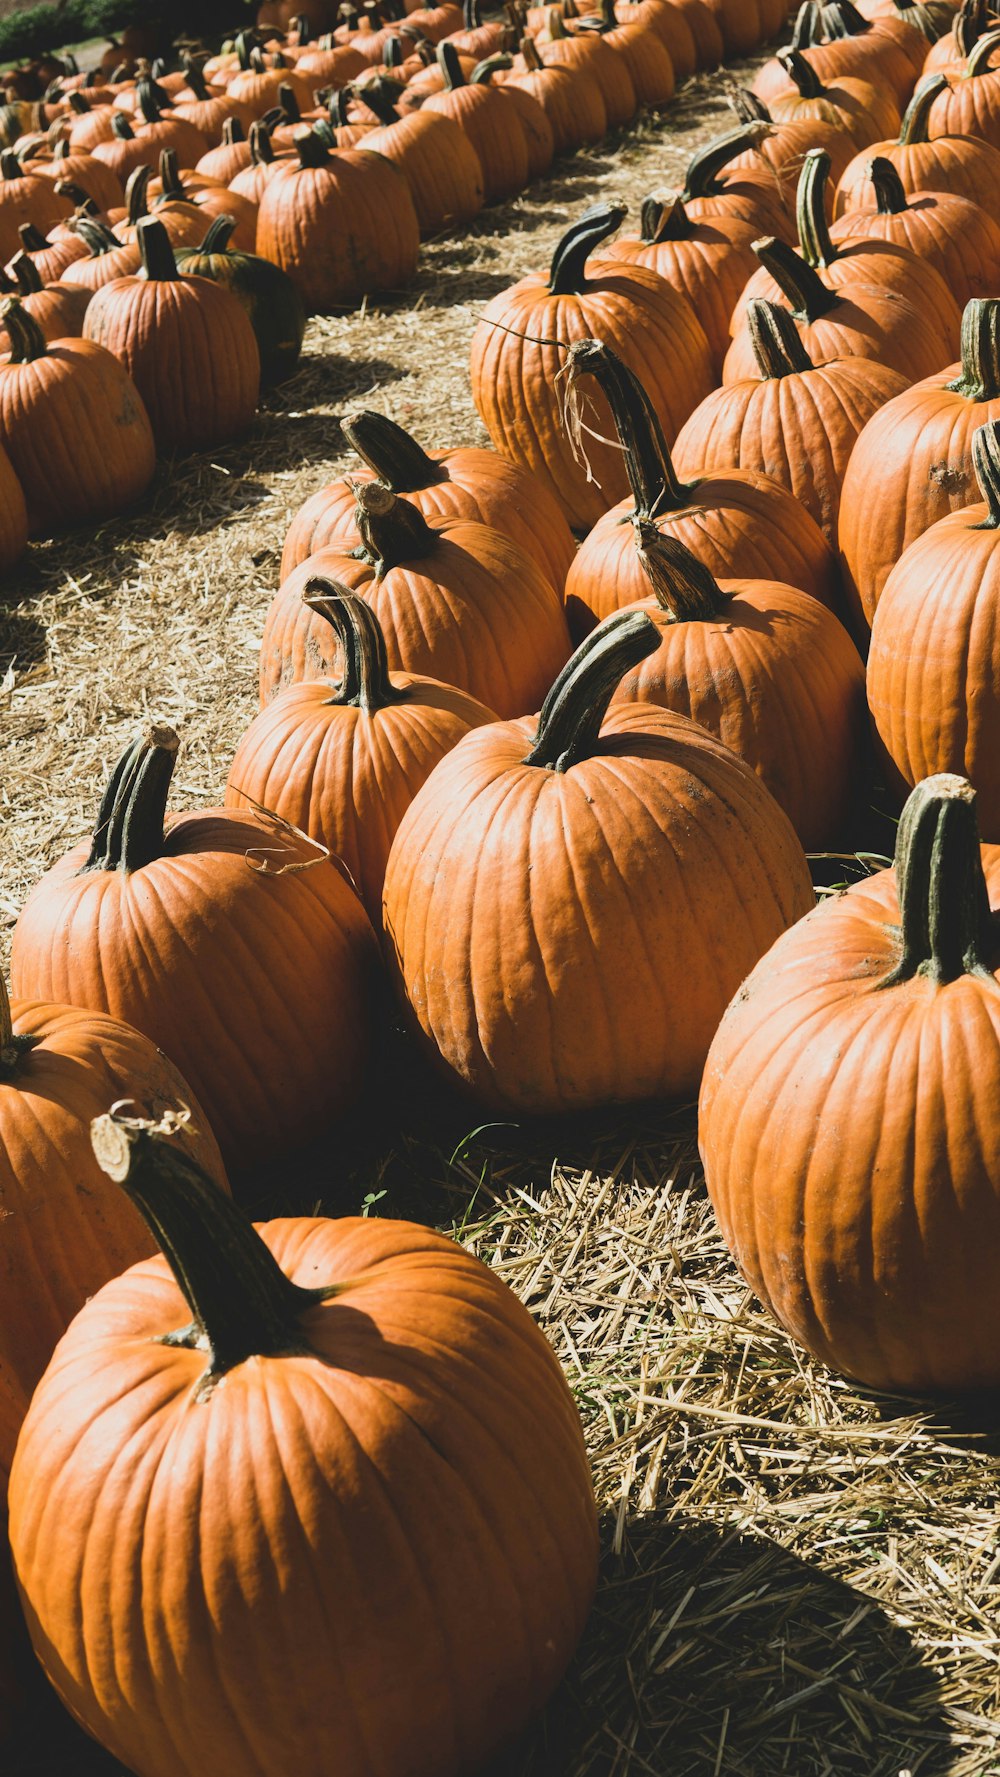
[[32, 238], [218, 236], [27, 341], [129, 830], [97, 236], [818, 249], [261, 146], [986, 461], [664, 219], [158, 262], [233, 132], [917, 113], [484, 71], [946, 926], [122, 128], [681, 584], [136, 194], [171, 183], [980, 378], [568, 274], [807, 295], [26, 272], [242, 1304], [153, 101], [450, 66], [890, 197], [801, 73], [777, 345], [648, 464], [570, 723], [365, 684], [747, 106], [844, 20], [979, 61], [701, 178], [392, 530], [393, 456], [808, 27]]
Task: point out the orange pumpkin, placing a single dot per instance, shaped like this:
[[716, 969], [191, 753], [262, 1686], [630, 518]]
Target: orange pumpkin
[[960, 239], [708, 261], [961, 164]]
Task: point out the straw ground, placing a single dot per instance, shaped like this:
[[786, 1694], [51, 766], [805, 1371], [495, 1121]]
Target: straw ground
[[797, 1577]]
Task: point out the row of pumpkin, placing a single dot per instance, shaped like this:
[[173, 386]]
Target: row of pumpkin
[[566, 903]]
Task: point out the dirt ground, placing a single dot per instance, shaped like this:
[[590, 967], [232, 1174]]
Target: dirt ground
[[798, 1577]]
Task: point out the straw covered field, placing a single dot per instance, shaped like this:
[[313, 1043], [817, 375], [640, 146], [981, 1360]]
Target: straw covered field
[[796, 1576]]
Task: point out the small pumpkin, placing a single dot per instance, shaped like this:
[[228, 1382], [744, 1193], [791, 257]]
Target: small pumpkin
[[267, 294], [60, 309], [848, 1123], [107, 258], [209, 200], [51, 256], [549, 957]]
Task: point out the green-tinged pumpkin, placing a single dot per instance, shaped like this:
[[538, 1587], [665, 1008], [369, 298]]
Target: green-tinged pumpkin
[[268, 295]]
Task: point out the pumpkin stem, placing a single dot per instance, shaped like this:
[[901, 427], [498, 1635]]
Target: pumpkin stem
[[483, 71], [393, 456], [97, 237], [311, 149], [530, 56], [801, 73], [261, 146], [365, 684], [664, 219], [843, 19], [777, 344], [32, 238], [392, 530], [217, 238], [971, 20], [171, 183], [136, 194], [152, 100], [289, 103], [381, 96], [681, 584], [945, 925], [129, 830], [10, 166], [121, 127], [701, 180], [196, 80], [570, 723], [980, 378], [890, 198], [915, 117], [29, 280], [450, 66], [808, 27], [27, 341], [979, 61], [568, 274], [747, 106], [242, 1304], [12, 1048], [232, 132], [803, 288], [158, 262], [986, 461], [818, 250], [648, 464], [85, 205]]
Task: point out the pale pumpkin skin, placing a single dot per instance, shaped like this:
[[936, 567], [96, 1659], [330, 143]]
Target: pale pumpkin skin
[[851, 1144]]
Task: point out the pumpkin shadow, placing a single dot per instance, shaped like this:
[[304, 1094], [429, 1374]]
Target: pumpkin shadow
[[23, 642], [715, 1654]]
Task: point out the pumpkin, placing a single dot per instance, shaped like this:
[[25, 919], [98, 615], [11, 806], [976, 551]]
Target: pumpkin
[[457, 601], [341, 225], [848, 1115], [209, 110], [210, 201], [972, 20], [570, 97], [530, 115], [167, 128], [257, 85], [739, 24], [932, 669], [868, 114], [493, 129], [519, 346], [125, 151], [343, 761], [704, 28], [107, 260], [50, 256], [970, 105], [183, 224], [51, 396], [837, 41], [84, 172], [861, 321], [669, 23], [465, 483], [550, 958], [231, 156], [60, 309], [912, 464], [266, 293], [437, 1414], [959, 238], [643, 51], [437, 160], [737, 522], [714, 186], [964, 165], [263, 165], [765, 668], [589, 54], [707, 261], [797, 423], [178, 929], [64, 1232], [932, 18], [784, 146]]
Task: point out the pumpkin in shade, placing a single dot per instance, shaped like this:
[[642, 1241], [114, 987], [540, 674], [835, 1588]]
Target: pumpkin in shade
[[739, 25], [467, 482], [340, 1401], [187, 343], [185, 929], [572, 898], [960, 239], [519, 348], [343, 761], [767, 669], [961, 164], [456, 601], [161, 128], [13, 515], [912, 463], [341, 224], [60, 309], [868, 114], [265, 291], [735, 522], [84, 173], [184, 225], [797, 422], [64, 1232], [73, 425], [863, 321], [704, 28], [848, 1118], [933, 669], [708, 261]]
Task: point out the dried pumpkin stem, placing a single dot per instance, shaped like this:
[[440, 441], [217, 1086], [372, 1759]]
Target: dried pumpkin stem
[[365, 683], [747, 106], [775, 339], [986, 461], [232, 132], [129, 830], [10, 166], [27, 341], [916, 117], [242, 1304], [393, 456], [450, 66], [289, 103], [980, 378], [817, 248], [392, 530], [664, 219], [568, 274], [807, 295], [680, 583], [946, 926], [570, 723], [979, 61], [701, 179], [844, 20], [97, 236], [801, 73], [29, 281], [890, 196], [158, 262], [530, 56], [808, 27], [12, 1048], [648, 464]]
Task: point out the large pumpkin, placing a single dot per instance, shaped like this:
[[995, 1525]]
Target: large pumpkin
[[519, 349], [456, 600], [64, 1232], [309, 1416], [933, 671], [707, 261], [230, 941], [962, 164], [848, 1118], [960, 239], [571, 899]]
